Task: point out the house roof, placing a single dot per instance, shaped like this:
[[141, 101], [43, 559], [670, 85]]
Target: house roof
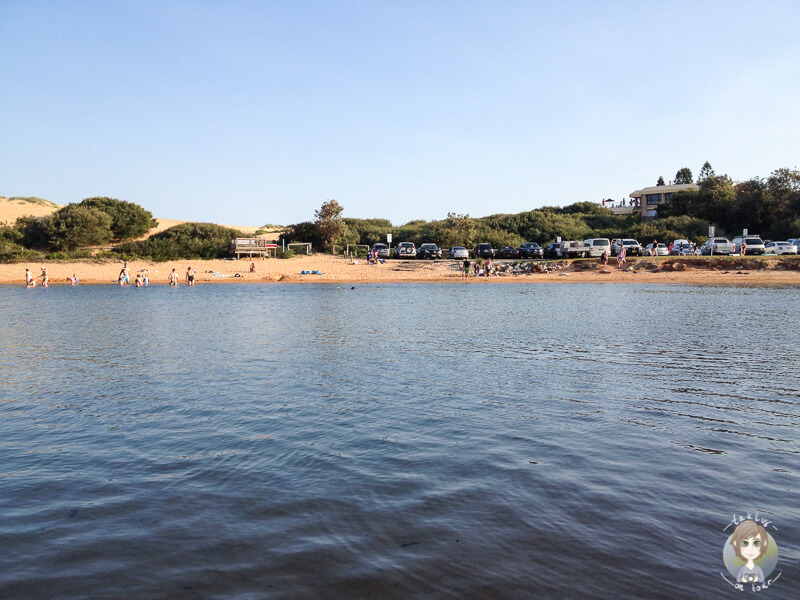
[[663, 189]]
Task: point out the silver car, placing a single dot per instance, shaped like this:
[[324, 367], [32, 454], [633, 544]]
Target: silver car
[[458, 253], [662, 250], [405, 250]]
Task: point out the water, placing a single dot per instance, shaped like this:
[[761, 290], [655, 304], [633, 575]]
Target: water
[[394, 441]]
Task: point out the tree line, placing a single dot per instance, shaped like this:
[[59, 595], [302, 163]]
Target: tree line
[[766, 206]]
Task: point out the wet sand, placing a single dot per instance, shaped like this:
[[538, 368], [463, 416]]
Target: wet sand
[[341, 270]]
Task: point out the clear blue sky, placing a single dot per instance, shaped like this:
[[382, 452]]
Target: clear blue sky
[[249, 113]]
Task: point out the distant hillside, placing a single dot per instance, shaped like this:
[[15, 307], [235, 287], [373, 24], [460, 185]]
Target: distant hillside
[[13, 208]]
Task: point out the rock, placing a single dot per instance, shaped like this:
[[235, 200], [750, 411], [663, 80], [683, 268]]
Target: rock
[[679, 266]]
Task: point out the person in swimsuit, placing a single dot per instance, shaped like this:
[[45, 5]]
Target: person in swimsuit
[[173, 278], [466, 268], [29, 280], [190, 277], [138, 281], [44, 277]]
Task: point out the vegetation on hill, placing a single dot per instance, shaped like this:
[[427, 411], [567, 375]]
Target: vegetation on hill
[[188, 240], [767, 206]]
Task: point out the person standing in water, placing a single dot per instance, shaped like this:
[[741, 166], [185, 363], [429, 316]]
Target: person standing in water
[[30, 281], [190, 277], [44, 277], [173, 278]]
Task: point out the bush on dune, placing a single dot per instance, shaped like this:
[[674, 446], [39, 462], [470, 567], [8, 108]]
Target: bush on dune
[[185, 241]]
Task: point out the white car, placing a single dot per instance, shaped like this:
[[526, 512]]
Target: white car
[[662, 250], [780, 248]]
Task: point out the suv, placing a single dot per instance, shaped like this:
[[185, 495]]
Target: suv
[[484, 251], [405, 250], [429, 251], [754, 244], [632, 247], [530, 250]]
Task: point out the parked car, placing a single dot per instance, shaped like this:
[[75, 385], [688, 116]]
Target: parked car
[[530, 250], [681, 247], [755, 245], [572, 249], [458, 253], [551, 250], [383, 250], [506, 252], [429, 251], [484, 251], [779, 248], [632, 247], [662, 250], [794, 242], [405, 250], [596, 247], [717, 245]]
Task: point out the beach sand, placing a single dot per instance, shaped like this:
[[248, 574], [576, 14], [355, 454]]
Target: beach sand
[[341, 270]]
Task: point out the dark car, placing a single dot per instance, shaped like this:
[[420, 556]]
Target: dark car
[[551, 250], [506, 252], [429, 251], [530, 250], [484, 251]]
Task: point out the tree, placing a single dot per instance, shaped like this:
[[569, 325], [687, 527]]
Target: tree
[[684, 176], [660, 180], [456, 230], [128, 220], [706, 172], [75, 226], [329, 222]]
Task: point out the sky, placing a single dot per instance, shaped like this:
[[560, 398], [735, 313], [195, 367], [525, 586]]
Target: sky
[[257, 112]]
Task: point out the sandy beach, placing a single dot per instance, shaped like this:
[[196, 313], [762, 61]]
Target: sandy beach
[[333, 269]]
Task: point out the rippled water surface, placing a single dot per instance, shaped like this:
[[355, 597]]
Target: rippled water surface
[[394, 441]]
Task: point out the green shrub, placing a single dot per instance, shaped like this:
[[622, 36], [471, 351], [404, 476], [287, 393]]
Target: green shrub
[[128, 220], [185, 241], [286, 253]]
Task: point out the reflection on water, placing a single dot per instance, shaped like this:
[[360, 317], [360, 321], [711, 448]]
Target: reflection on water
[[392, 441]]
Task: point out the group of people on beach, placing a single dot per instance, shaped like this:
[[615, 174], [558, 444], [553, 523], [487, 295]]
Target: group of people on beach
[[478, 270], [142, 278], [30, 280]]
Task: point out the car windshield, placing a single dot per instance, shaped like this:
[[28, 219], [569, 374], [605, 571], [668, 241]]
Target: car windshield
[[753, 241]]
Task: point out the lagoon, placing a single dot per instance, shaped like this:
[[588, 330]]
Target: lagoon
[[394, 441]]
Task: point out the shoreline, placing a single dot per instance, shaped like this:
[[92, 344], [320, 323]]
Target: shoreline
[[737, 271]]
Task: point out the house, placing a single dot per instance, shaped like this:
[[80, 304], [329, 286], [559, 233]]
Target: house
[[649, 198]]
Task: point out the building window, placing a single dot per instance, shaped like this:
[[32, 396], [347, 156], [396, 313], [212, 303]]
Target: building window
[[653, 199]]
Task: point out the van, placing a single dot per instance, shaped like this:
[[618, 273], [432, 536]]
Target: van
[[596, 246]]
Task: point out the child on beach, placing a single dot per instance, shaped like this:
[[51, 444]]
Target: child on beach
[[621, 257]]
